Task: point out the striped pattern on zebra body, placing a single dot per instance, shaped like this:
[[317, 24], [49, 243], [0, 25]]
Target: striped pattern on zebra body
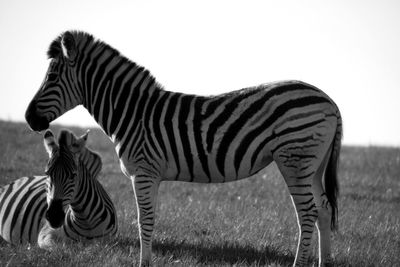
[[22, 207], [161, 135], [23, 203]]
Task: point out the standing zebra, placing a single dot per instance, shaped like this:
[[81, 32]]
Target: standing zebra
[[71, 184], [161, 135]]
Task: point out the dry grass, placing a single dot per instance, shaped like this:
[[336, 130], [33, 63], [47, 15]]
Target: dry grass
[[247, 223]]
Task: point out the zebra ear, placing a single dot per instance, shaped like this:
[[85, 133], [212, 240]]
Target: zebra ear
[[49, 142], [80, 142], [85, 136], [68, 46]]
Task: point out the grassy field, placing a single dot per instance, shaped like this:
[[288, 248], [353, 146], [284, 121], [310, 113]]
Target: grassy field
[[247, 223]]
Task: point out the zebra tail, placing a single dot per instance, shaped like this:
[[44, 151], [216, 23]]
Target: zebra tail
[[331, 180]]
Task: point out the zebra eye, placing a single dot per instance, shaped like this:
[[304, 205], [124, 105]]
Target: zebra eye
[[52, 76]]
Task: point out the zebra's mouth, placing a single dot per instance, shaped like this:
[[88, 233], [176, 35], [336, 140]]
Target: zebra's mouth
[[36, 124], [55, 214], [35, 121]]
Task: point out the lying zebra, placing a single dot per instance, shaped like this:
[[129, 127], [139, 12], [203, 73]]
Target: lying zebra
[[31, 208]]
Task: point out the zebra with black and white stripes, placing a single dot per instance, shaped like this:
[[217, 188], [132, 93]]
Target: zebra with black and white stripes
[[161, 135], [22, 208], [75, 198], [70, 185]]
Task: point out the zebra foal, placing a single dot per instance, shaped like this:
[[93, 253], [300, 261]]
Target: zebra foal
[[26, 202], [161, 135]]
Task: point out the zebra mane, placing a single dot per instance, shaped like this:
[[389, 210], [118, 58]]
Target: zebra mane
[[54, 48], [82, 38]]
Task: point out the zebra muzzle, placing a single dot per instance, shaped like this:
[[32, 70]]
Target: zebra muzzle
[[35, 121], [55, 214]]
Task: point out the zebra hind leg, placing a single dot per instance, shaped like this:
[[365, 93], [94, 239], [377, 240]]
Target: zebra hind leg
[[307, 214], [298, 170], [324, 216], [146, 190], [303, 174]]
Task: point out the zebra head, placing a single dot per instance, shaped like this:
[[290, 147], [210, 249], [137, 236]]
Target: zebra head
[[59, 91], [63, 173]]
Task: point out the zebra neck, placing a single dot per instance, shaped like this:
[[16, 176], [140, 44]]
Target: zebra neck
[[115, 92], [87, 191], [89, 167], [91, 162]]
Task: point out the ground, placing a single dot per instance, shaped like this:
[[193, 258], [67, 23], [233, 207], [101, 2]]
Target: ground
[[246, 223]]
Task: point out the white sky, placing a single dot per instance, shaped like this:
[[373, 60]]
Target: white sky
[[349, 49]]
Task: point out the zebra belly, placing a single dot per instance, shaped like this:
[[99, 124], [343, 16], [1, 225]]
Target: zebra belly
[[200, 176]]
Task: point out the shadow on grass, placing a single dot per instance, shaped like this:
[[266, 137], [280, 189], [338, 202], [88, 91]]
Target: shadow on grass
[[372, 198], [217, 254], [228, 253]]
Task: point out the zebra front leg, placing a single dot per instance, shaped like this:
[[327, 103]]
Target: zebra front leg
[[48, 237], [146, 190]]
